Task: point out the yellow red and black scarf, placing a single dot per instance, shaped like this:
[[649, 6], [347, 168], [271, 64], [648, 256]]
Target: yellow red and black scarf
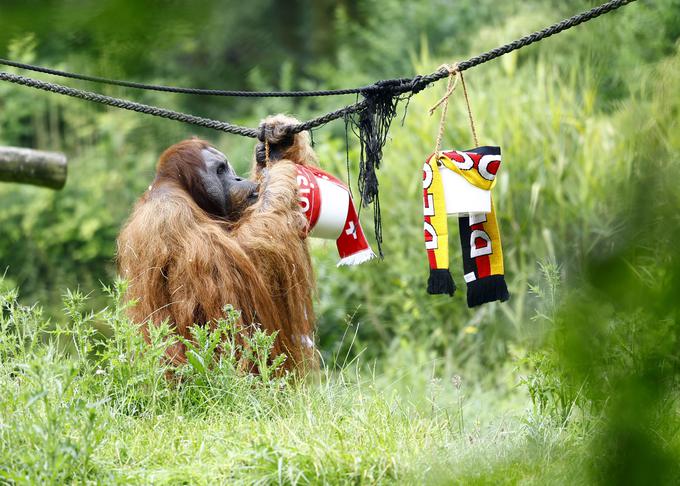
[[479, 235]]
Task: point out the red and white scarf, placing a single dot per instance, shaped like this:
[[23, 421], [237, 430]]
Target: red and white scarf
[[328, 206]]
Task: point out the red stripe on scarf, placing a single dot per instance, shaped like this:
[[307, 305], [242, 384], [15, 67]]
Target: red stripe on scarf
[[482, 262], [430, 253], [453, 155], [310, 197], [483, 266]]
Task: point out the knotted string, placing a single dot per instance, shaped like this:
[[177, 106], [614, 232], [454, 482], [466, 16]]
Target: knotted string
[[444, 103], [467, 104], [452, 82]]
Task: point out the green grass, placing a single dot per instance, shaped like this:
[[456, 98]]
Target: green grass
[[79, 407], [76, 407]]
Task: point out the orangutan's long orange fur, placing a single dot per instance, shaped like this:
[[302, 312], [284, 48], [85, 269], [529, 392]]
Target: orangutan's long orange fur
[[185, 266]]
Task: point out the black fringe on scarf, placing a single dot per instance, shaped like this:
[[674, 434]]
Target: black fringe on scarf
[[487, 289], [441, 282]]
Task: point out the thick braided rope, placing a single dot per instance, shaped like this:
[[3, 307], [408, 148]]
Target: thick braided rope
[[175, 89], [542, 34], [328, 117], [130, 105], [523, 41], [400, 86], [413, 85], [395, 87], [170, 114]]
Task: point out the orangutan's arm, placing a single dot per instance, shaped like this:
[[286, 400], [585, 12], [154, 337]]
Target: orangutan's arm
[[276, 217], [279, 191]]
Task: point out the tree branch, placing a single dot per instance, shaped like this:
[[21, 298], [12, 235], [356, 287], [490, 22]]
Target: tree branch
[[26, 166]]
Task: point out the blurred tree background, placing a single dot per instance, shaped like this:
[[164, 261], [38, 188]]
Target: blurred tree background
[[589, 126], [550, 107]]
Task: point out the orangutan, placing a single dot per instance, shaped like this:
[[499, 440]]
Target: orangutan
[[201, 237]]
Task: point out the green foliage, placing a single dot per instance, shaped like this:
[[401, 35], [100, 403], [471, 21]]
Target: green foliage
[[548, 192], [216, 355], [611, 357], [47, 429], [573, 380]]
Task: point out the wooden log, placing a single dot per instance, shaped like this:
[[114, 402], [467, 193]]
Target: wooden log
[[26, 166]]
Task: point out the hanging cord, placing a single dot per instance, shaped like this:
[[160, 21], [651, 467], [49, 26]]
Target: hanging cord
[[444, 103], [453, 70], [469, 111], [454, 75]]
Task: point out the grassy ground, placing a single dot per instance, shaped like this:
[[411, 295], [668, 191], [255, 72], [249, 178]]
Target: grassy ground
[[76, 408], [79, 408]]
